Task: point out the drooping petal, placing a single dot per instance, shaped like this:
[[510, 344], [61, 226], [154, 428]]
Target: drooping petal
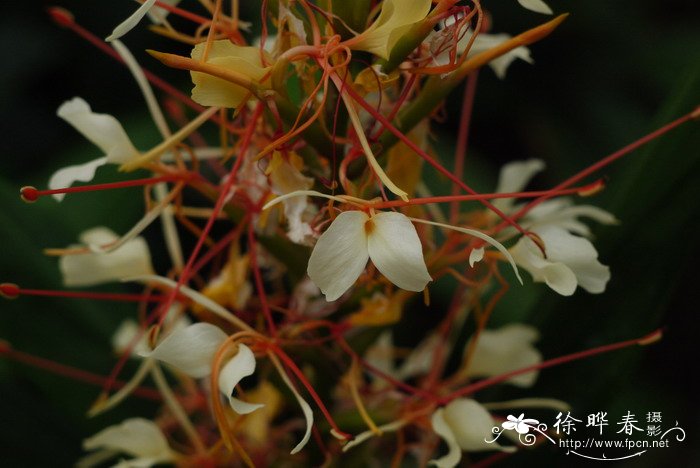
[[340, 255], [190, 350], [67, 176], [366, 435], [101, 129], [89, 269], [471, 425], [212, 91], [305, 408], [504, 350], [394, 20], [396, 250], [538, 6], [441, 428], [240, 366], [131, 22], [563, 213], [138, 437]]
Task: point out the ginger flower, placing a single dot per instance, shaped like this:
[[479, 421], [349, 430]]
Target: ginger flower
[[395, 19], [571, 258], [388, 238], [244, 61]]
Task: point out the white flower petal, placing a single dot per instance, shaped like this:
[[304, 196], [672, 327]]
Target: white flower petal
[[191, 349], [471, 425], [558, 276], [538, 6], [476, 255], [131, 22], [137, 436], [240, 366], [441, 428], [396, 251], [125, 335], [578, 254], [363, 436], [305, 408], [504, 350], [103, 130], [340, 255], [67, 176], [89, 269], [514, 177]]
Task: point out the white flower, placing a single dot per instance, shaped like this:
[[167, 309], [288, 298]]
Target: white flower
[[104, 131], [137, 437], [464, 425], [504, 350], [571, 260], [388, 238], [158, 14], [88, 269], [191, 350]]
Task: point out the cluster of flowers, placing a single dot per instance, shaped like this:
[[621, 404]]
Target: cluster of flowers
[[319, 124]]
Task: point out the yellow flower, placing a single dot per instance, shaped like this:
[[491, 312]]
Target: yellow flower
[[245, 61]]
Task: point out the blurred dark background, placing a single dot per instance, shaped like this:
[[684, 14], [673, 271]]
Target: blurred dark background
[[612, 72]]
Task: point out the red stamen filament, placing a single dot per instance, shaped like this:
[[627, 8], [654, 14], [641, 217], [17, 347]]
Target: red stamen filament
[[31, 194], [469, 389], [12, 291], [70, 372], [488, 196]]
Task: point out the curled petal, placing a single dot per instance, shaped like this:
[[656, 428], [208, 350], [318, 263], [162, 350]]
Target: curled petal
[[103, 130], [240, 366], [557, 276], [441, 428], [131, 22], [305, 408], [396, 251], [340, 255], [538, 6], [89, 269], [190, 349], [138, 437], [67, 176], [500, 64]]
